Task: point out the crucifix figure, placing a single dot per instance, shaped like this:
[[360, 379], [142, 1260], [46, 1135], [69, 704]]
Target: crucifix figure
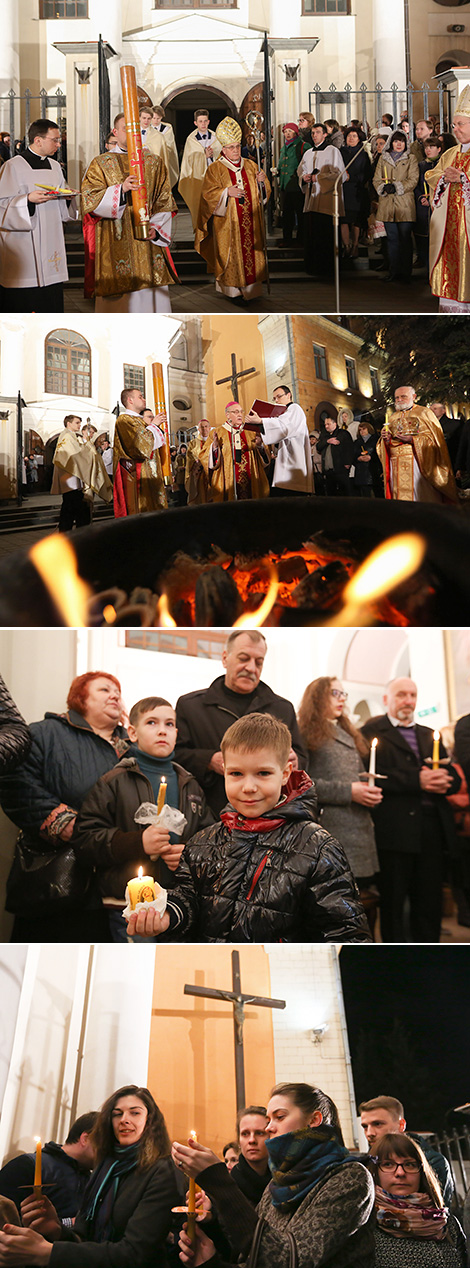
[[238, 1001], [235, 376]]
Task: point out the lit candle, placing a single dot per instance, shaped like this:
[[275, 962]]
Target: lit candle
[[161, 795], [38, 1167], [192, 1202], [141, 889], [435, 750], [373, 750]]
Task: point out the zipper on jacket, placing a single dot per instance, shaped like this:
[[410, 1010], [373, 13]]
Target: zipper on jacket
[[260, 868]]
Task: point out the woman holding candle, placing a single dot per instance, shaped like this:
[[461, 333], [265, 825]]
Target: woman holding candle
[[52, 897], [125, 1215], [396, 178], [337, 757], [413, 1226], [318, 1193]]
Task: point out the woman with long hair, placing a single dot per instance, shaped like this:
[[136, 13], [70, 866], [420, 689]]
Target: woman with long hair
[[318, 1194], [125, 1214], [336, 761], [413, 1227]]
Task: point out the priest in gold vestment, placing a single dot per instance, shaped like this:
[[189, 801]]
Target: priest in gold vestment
[[232, 461], [414, 454], [125, 274], [230, 227], [195, 479], [79, 474], [449, 234], [138, 477]]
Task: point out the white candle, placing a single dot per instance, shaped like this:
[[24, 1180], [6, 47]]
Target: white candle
[[373, 749]]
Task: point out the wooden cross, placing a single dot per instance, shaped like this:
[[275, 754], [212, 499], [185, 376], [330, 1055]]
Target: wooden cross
[[238, 1001], [235, 376]]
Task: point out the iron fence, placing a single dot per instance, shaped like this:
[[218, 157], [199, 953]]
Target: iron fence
[[357, 102], [11, 109]]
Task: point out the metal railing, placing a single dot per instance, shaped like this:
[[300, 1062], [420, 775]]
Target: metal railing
[[47, 102], [357, 102]]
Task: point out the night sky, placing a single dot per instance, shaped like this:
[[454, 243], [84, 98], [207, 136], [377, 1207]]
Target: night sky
[[420, 994]]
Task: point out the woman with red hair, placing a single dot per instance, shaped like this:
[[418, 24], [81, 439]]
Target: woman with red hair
[[53, 898]]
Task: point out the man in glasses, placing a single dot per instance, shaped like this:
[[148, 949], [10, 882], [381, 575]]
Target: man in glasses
[[386, 1114]]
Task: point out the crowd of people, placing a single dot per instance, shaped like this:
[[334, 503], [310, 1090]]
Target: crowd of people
[[287, 1191], [328, 842], [404, 193]]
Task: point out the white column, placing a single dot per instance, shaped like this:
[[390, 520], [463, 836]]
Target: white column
[[388, 29], [9, 62]]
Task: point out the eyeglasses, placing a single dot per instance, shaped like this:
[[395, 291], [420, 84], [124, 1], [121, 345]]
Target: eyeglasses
[[339, 695], [407, 1165]]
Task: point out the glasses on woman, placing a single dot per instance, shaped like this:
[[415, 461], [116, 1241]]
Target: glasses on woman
[[407, 1164], [339, 695]]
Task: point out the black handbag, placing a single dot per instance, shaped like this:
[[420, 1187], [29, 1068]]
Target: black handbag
[[44, 882], [256, 1243]]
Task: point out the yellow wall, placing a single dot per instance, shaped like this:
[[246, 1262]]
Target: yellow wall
[[222, 335], [191, 1057]]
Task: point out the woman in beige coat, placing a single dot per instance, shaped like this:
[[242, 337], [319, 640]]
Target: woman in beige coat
[[396, 177]]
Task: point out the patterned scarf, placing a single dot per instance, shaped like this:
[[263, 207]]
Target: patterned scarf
[[413, 1216], [101, 1190], [298, 1160]]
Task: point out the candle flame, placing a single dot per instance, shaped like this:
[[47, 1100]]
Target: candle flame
[[394, 561], [252, 619], [436, 735], [109, 613], [164, 618], [374, 742], [55, 560], [193, 1136], [37, 1140], [140, 873]]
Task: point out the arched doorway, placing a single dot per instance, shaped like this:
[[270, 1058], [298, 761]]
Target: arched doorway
[[180, 104]]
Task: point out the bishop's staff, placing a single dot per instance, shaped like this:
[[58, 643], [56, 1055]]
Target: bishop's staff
[[140, 209], [254, 121], [160, 408]]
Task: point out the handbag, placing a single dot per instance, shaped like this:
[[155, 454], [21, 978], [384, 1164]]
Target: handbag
[[256, 1243], [43, 882]]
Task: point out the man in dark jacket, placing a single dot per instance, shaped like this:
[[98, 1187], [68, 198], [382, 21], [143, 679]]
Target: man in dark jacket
[[414, 823], [336, 449], [385, 1114], [202, 717], [453, 430], [66, 1170]]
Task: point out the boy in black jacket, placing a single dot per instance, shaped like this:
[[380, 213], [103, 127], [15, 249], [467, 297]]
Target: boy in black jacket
[[267, 872], [106, 835]]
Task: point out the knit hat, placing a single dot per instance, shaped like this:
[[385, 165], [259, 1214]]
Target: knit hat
[[229, 132], [463, 104], [293, 127]]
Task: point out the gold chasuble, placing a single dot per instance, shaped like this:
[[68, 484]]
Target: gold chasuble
[[419, 471], [216, 458], [138, 479], [230, 238], [195, 480], [73, 457], [449, 232], [116, 261]]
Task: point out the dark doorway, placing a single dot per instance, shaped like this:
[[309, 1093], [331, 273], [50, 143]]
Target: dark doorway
[[179, 109]]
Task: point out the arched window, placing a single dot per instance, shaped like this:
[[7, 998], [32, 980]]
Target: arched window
[[67, 363]]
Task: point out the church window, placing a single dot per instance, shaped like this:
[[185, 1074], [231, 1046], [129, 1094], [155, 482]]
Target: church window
[[326, 6], [179, 353], [351, 373], [63, 8], [67, 363], [134, 376], [208, 646], [374, 378], [321, 364]]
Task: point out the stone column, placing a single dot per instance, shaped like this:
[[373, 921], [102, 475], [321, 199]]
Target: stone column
[[9, 62], [388, 30]]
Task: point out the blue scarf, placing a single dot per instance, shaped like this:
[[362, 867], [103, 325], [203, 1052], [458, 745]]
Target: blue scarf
[[101, 1190], [298, 1160]]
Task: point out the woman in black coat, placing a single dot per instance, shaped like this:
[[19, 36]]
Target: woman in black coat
[[125, 1215], [366, 462], [356, 191]]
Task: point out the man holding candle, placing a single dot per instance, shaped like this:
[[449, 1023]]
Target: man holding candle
[[413, 823], [64, 1170], [106, 834]]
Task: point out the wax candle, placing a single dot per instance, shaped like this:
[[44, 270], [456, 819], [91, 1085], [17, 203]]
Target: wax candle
[[161, 795], [435, 750], [373, 749], [141, 889], [192, 1202], [38, 1166]]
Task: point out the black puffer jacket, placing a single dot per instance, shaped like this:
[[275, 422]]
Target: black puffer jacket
[[65, 760], [290, 883], [61, 1174], [15, 737], [107, 838]]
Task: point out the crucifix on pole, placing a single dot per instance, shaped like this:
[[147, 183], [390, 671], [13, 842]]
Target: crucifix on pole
[[238, 1001], [235, 376]]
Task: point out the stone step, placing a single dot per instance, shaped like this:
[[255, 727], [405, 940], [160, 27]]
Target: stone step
[[14, 519]]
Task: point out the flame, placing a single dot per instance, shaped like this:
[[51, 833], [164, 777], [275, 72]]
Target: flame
[[109, 614], [436, 735], [387, 566], [252, 619], [164, 619], [56, 562], [374, 743], [140, 872]]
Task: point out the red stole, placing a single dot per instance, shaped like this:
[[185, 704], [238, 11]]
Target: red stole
[[245, 223]]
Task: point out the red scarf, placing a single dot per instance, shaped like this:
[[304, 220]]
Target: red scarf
[[297, 784]]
